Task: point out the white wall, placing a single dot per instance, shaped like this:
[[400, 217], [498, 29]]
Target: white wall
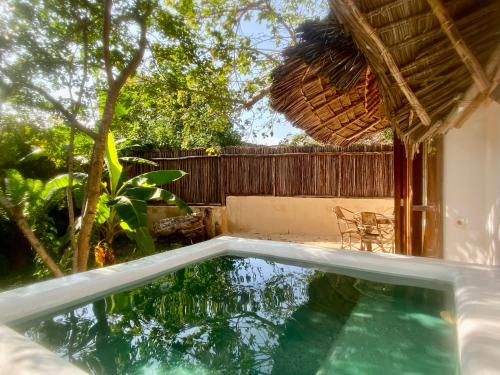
[[471, 188]]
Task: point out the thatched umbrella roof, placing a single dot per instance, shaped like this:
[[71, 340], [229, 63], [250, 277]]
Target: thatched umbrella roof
[[434, 62], [325, 86]]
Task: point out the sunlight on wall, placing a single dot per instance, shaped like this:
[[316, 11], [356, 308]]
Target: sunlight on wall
[[471, 189]]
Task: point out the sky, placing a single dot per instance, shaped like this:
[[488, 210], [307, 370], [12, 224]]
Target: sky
[[282, 127]]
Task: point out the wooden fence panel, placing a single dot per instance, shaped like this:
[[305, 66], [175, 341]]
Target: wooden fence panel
[[358, 171], [245, 175]]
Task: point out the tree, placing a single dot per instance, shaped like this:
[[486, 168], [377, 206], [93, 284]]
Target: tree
[[50, 46], [71, 59]]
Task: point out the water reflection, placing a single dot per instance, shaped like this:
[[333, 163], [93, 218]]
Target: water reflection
[[250, 316]]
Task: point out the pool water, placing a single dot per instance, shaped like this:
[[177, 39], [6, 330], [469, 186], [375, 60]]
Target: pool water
[[233, 315]]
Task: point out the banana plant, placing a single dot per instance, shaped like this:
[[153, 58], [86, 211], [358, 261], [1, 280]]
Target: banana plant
[[123, 201]]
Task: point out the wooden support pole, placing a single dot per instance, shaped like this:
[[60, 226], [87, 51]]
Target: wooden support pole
[[470, 61], [408, 205], [386, 55]]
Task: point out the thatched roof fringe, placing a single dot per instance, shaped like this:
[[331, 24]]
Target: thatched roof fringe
[[327, 49], [387, 57], [325, 87]]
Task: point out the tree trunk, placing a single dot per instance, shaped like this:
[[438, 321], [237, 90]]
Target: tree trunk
[[71, 206], [93, 189], [16, 214]]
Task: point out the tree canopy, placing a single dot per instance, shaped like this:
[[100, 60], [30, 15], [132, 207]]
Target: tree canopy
[[161, 73]]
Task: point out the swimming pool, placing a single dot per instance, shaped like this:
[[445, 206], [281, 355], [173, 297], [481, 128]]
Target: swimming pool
[[305, 310]]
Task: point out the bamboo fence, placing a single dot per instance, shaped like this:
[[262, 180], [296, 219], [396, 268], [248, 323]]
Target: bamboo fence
[[304, 171]]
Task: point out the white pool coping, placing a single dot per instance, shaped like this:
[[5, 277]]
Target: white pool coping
[[476, 291]]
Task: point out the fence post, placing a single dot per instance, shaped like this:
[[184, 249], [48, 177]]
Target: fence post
[[273, 169], [339, 179], [222, 182]]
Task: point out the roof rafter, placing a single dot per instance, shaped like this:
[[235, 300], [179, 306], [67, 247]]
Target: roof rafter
[[470, 61]]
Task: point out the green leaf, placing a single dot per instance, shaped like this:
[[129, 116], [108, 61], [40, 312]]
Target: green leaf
[[137, 160], [102, 209], [62, 182], [156, 178], [141, 237], [15, 186], [131, 211], [113, 164], [154, 193], [36, 154]]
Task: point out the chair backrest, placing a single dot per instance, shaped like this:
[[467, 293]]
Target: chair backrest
[[343, 222], [369, 222], [338, 212], [369, 218], [386, 226]]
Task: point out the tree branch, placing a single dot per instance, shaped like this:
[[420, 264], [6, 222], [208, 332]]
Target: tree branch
[[138, 55], [281, 20], [60, 108], [108, 66], [256, 98], [16, 214]]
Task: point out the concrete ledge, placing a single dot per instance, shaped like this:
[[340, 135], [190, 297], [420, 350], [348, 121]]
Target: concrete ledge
[[20, 356], [475, 289]]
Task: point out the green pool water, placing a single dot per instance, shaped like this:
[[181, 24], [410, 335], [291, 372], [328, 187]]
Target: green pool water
[[234, 315]]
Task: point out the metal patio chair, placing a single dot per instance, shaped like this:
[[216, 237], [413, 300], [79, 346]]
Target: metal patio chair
[[375, 229], [348, 227]]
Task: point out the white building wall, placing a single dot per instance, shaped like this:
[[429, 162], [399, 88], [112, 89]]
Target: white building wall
[[471, 188]]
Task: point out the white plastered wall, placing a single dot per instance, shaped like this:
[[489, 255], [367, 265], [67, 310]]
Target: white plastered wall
[[471, 188]]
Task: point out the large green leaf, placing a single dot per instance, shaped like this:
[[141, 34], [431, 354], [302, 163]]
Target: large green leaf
[[36, 154], [131, 211], [137, 160], [114, 167], [62, 182], [141, 237], [153, 193], [15, 186], [156, 178], [102, 209]]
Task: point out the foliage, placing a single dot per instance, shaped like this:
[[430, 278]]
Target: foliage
[[23, 138], [38, 201], [67, 61], [299, 140], [208, 67], [384, 137], [122, 204]]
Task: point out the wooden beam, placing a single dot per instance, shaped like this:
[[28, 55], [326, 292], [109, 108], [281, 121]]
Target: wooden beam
[[472, 96], [369, 31], [408, 205], [470, 61], [362, 131]]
